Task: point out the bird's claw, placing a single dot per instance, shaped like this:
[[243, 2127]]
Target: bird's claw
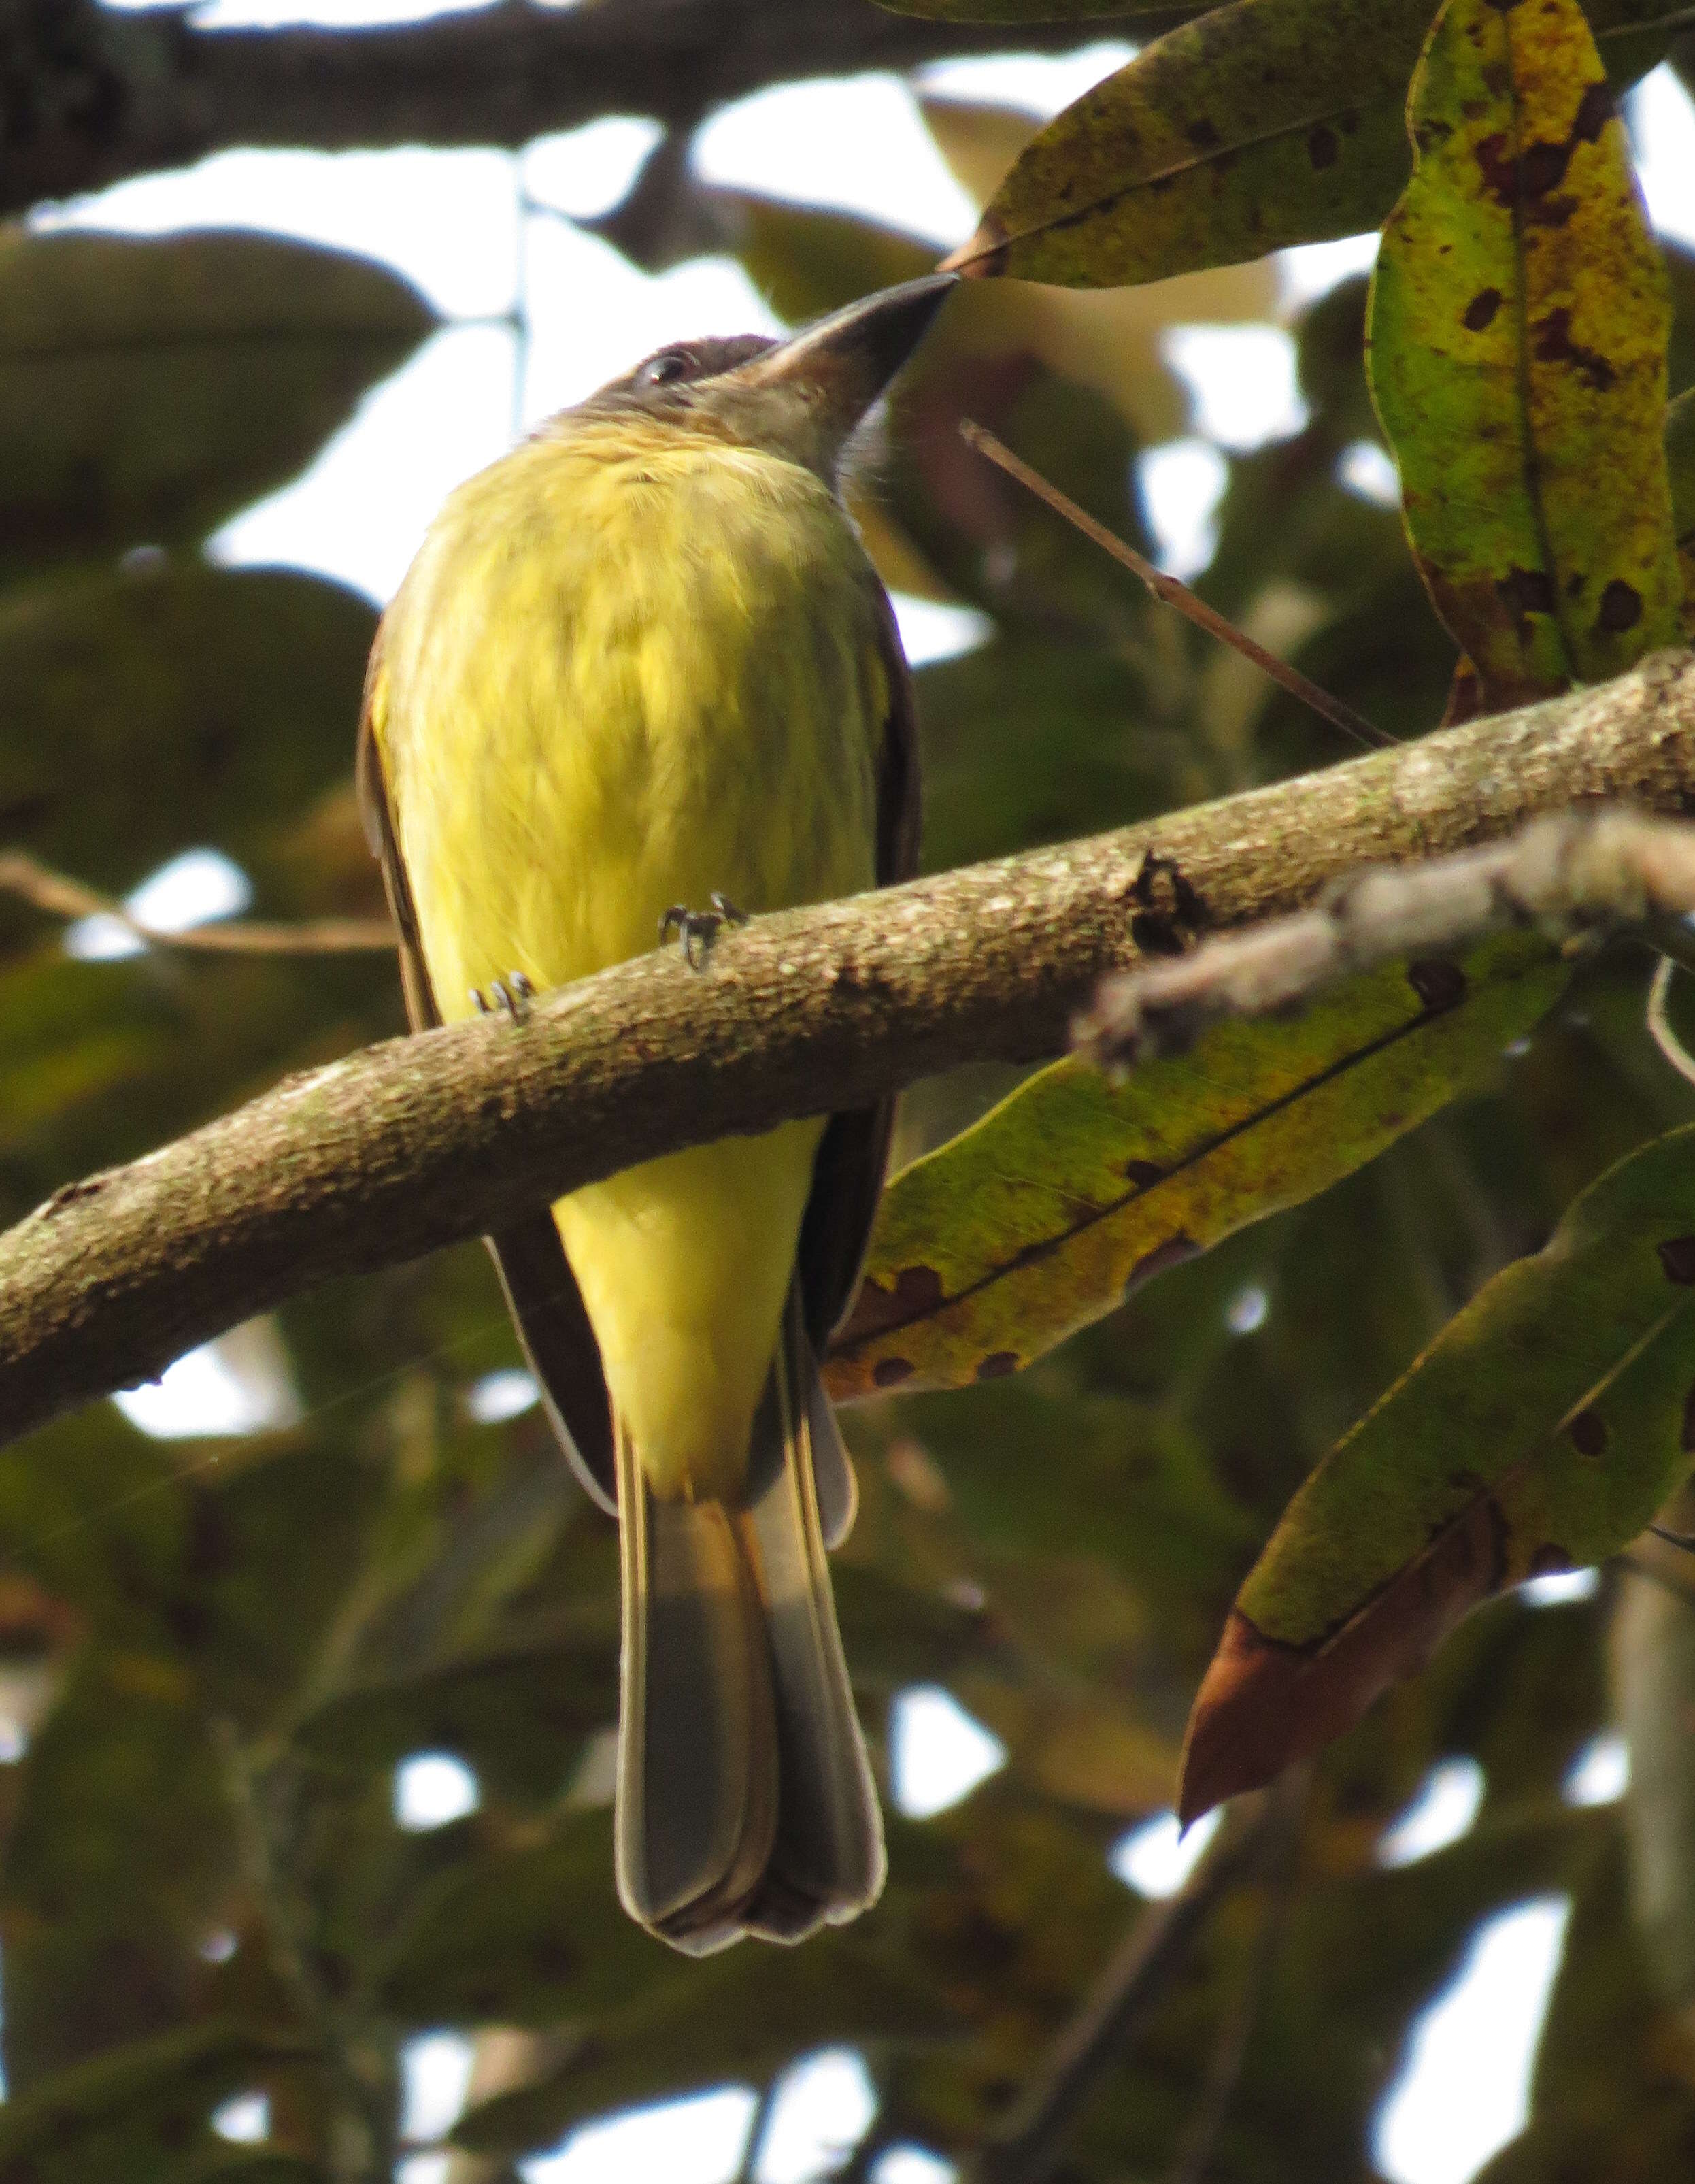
[[697, 929], [509, 996]]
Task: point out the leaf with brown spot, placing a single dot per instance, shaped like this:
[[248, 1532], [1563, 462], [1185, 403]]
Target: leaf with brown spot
[[1518, 328], [994, 1248], [1266, 122], [1540, 1431]]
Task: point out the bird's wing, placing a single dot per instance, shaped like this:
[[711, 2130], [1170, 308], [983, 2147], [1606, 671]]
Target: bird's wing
[[547, 1306], [847, 1176]]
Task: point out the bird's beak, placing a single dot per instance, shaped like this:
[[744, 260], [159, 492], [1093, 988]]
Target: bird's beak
[[830, 373]]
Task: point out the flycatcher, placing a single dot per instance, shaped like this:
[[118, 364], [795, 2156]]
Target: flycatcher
[[641, 666]]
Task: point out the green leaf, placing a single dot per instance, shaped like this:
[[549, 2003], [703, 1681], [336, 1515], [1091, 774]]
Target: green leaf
[[1033, 740], [1266, 122], [230, 692], [742, 2015], [1519, 322], [152, 388], [139, 2113], [1040, 1219], [1540, 1431]]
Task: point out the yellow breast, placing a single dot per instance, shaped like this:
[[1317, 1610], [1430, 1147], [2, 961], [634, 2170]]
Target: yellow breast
[[625, 672]]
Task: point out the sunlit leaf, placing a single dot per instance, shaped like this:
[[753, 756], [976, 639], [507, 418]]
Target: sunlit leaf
[[1520, 315], [150, 388], [1542, 1429], [996, 1247], [1266, 122]]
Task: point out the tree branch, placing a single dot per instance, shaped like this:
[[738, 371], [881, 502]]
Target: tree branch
[[40, 887], [91, 95], [1569, 875], [419, 1142]]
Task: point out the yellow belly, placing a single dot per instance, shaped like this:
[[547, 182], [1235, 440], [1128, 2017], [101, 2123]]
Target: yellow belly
[[615, 683]]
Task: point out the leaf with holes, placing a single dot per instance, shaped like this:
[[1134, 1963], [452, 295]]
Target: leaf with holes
[[1519, 322], [1070, 1193], [1540, 1431], [1266, 122]]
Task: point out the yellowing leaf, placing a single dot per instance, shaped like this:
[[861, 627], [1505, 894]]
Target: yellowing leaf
[[1266, 122], [1041, 1217], [1540, 1429], [1519, 323]]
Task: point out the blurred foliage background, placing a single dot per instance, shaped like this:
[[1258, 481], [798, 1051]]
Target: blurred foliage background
[[216, 1654]]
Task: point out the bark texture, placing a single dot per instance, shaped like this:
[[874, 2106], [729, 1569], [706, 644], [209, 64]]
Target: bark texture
[[418, 1143]]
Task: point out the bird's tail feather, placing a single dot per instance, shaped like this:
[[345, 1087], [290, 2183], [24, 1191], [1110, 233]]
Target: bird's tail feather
[[745, 1799]]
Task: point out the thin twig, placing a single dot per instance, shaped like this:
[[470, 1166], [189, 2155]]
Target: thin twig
[[60, 896], [1173, 593], [1567, 877], [1026, 2146], [1659, 1021], [1230, 2053]]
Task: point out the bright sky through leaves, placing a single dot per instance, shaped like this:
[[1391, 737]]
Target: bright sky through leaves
[[1463, 2088]]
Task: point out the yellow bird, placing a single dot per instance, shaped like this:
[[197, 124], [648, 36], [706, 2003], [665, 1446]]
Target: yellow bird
[[641, 665]]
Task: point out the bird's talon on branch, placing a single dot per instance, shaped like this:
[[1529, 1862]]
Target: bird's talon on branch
[[697, 929], [509, 996]]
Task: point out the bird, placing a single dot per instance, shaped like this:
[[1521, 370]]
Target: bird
[[641, 678]]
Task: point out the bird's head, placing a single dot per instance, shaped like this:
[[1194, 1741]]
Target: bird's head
[[802, 399]]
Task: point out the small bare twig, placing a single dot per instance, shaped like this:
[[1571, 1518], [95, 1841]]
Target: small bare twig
[[1659, 1024], [59, 896], [1173, 593], [1569, 875], [1230, 2053], [1026, 2146]]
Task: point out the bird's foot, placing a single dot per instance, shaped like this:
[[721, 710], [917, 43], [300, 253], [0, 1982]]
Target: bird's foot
[[697, 929], [509, 996]]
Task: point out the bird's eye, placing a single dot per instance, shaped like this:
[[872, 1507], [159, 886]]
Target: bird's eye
[[660, 370]]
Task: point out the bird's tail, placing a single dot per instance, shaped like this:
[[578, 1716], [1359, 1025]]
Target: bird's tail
[[745, 1798]]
